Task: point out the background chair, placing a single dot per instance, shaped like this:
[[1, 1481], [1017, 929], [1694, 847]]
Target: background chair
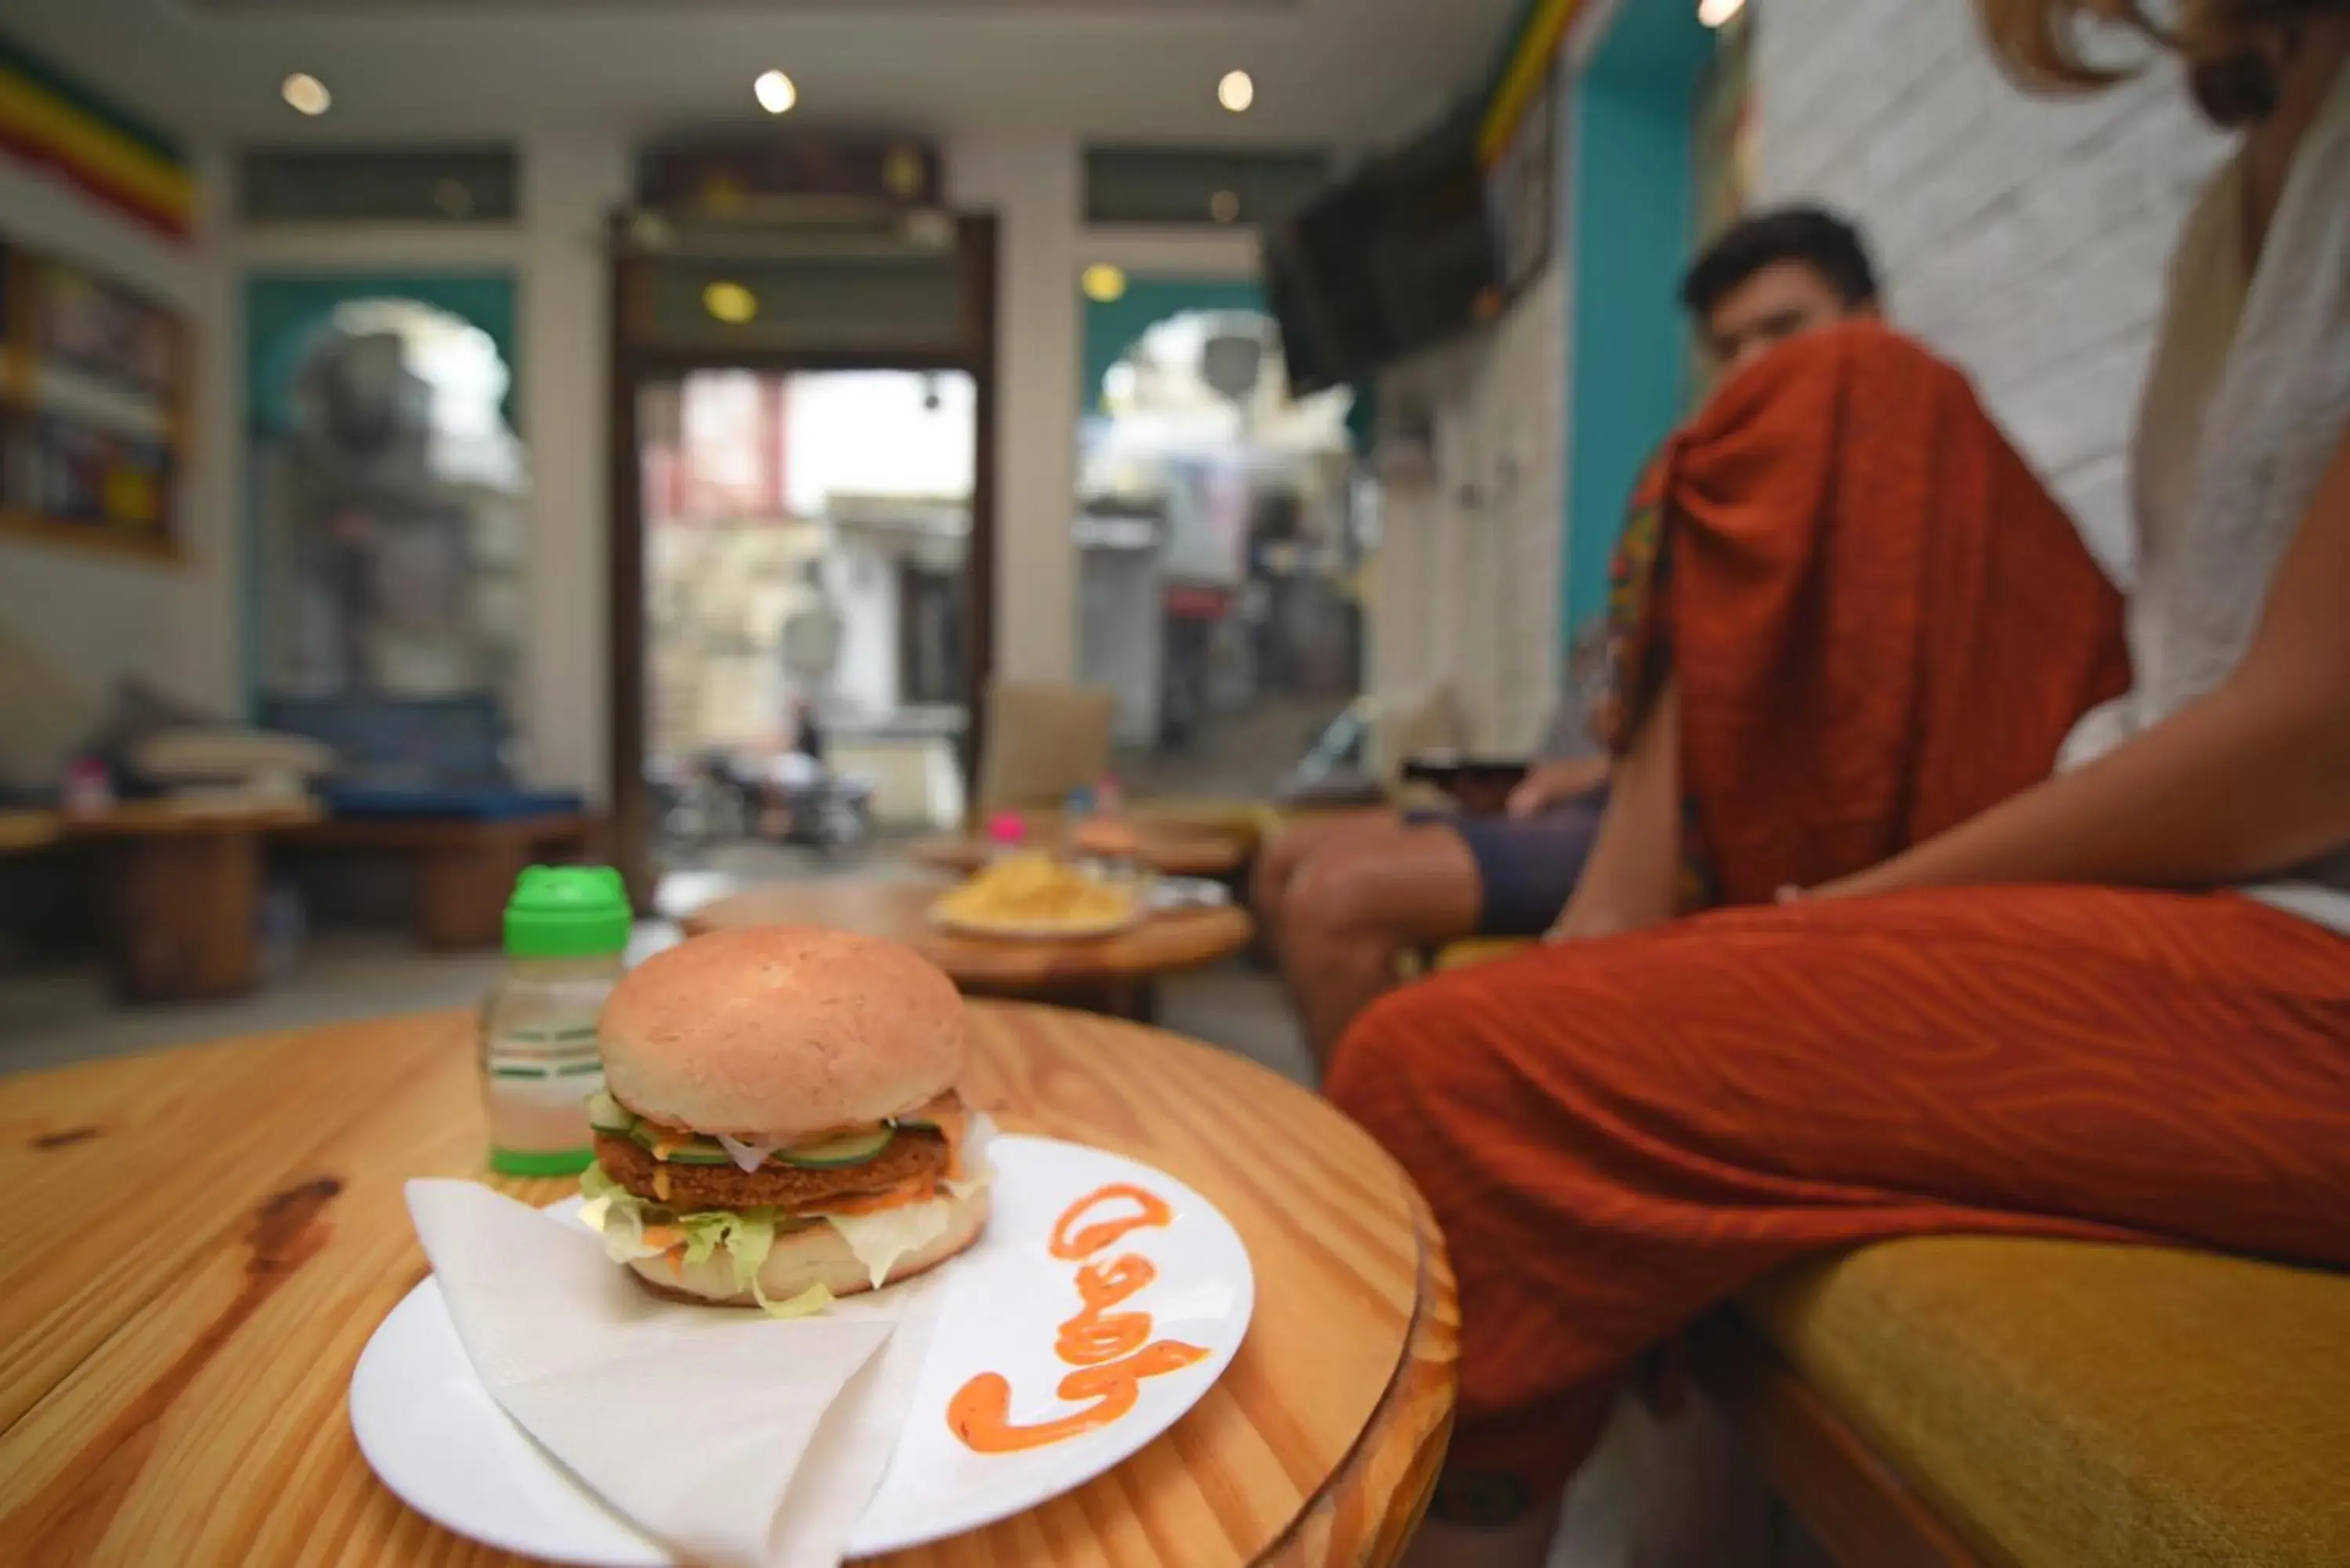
[[1043, 740]]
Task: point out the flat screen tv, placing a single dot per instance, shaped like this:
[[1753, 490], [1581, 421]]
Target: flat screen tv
[[1399, 257]]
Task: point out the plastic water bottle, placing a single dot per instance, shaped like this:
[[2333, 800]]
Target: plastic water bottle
[[565, 929]]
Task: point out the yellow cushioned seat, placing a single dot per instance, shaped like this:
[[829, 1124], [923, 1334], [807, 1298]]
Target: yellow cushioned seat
[[1480, 950], [2068, 1405]]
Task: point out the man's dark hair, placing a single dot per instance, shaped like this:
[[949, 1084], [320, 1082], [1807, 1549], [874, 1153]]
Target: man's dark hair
[[1819, 239]]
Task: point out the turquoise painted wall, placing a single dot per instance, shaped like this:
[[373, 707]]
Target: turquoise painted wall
[[284, 312], [1114, 327], [1632, 187]]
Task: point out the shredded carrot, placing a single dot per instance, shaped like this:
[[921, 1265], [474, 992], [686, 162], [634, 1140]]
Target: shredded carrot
[[952, 1118]]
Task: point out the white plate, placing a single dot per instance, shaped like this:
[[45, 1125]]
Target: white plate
[[1189, 893], [432, 1433]]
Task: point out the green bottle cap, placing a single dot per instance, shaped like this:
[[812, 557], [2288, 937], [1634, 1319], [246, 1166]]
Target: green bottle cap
[[566, 1162], [568, 912]]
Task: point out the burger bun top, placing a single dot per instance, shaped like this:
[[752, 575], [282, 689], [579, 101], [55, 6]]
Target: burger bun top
[[782, 1032]]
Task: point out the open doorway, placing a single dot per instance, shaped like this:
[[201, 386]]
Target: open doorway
[[801, 565], [807, 550]]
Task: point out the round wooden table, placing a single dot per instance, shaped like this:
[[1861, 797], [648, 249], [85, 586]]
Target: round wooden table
[[1116, 974], [24, 831], [1170, 848], [204, 1239]]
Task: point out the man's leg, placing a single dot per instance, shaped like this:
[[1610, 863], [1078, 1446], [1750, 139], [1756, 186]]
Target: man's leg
[[1355, 903], [1277, 863]]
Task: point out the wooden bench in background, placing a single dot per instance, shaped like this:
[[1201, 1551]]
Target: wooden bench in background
[[464, 870], [181, 884]]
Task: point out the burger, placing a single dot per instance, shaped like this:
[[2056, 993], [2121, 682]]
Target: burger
[[779, 1124]]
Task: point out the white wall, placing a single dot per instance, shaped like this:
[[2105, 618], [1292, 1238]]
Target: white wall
[[180, 624], [1035, 185], [569, 186], [2024, 238], [1471, 557], [105, 617], [555, 254]]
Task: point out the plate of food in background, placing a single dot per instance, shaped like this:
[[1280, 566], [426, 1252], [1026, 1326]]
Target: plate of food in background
[[1034, 897]]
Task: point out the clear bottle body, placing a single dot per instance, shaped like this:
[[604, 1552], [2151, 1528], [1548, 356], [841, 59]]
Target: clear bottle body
[[541, 1060]]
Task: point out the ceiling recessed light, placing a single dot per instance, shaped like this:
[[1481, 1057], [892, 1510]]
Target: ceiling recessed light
[[729, 302], [1237, 92], [1103, 283], [1224, 206], [1718, 13], [306, 93], [775, 92]]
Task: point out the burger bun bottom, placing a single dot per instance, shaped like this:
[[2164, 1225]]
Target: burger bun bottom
[[804, 1258]]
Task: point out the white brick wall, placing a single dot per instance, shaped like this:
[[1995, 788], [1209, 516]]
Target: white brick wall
[[1469, 566], [2024, 238]]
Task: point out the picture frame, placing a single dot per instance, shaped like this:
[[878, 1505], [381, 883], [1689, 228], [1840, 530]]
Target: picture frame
[[93, 388]]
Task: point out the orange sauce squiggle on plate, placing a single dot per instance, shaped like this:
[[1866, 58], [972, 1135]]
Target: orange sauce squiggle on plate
[[1111, 1351], [1152, 1211]]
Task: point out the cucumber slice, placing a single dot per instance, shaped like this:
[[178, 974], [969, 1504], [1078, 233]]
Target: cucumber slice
[[850, 1149], [605, 1114]]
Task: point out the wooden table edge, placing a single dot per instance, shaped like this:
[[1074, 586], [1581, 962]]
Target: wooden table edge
[[1413, 1418], [118, 824], [26, 831], [697, 923], [1119, 973]]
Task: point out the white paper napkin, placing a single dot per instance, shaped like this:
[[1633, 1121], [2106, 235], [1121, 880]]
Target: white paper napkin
[[729, 1436]]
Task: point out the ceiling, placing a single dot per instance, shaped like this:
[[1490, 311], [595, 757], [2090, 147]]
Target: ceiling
[[1340, 72]]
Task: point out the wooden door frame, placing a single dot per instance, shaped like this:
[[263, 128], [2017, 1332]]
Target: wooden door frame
[[632, 365]]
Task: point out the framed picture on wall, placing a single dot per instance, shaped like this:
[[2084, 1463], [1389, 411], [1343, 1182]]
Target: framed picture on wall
[[92, 429]]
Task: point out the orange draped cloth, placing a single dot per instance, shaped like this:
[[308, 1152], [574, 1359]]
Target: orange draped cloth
[[1881, 622], [1881, 625]]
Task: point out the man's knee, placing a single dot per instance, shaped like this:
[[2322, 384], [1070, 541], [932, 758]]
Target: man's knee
[[1333, 894], [1394, 891]]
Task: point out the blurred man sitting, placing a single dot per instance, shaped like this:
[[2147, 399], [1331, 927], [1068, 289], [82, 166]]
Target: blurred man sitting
[[1341, 899]]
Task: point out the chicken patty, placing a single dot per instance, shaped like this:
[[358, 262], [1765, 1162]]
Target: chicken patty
[[915, 1152]]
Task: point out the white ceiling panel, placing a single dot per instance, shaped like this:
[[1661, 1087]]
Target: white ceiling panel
[[1341, 72]]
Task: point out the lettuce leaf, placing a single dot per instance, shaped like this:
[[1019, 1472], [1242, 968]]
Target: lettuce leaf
[[747, 1235], [976, 1171], [813, 1302], [617, 1214], [878, 1241]]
